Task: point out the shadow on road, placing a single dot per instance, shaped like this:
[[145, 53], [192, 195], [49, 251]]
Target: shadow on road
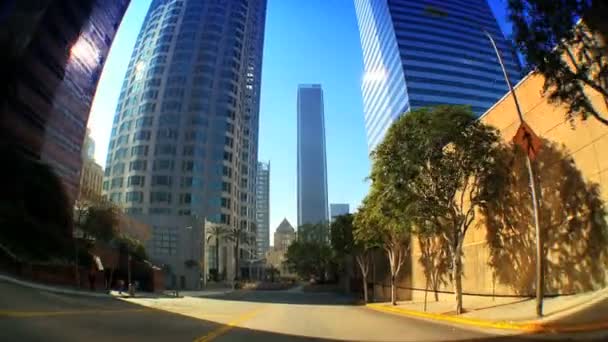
[[287, 297]]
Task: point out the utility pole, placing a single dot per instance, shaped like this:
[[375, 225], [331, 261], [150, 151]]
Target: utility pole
[[539, 244]]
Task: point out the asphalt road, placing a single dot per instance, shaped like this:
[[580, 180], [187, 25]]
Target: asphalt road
[[32, 315]]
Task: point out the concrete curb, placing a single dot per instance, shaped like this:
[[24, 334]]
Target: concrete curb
[[53, 289], [523, 326]]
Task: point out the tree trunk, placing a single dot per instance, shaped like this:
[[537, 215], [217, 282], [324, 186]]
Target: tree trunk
[[217, 258], [364, 276], [393, 290], [457, 280], [236, 260]]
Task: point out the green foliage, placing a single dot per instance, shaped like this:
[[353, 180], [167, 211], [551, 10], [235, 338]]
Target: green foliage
[[342, 241], [132, 246], [547, 34], [438, 166], [100, 221], [309, 259], [35, 212]]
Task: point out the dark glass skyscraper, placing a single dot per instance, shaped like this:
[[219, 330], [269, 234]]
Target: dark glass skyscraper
[[419, 53], [53, 53], [185, 134], [312, 169]]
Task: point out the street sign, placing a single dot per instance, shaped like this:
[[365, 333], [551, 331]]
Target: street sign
[[528, 140]]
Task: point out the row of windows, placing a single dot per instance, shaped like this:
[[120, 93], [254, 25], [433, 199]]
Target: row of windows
[[464, 85]]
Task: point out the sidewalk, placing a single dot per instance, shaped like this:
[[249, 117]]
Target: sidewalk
[[581, 312], [53, 288]]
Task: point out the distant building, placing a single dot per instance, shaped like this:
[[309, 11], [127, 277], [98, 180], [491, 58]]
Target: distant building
[[424, 53], [284, 236], [91, 175], [262, 209], [54, 54], [337, 209], [312, 165], [177, 243]]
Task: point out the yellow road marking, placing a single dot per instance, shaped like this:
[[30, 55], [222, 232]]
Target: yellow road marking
[[26, 314], [229, 326], [527, 326]]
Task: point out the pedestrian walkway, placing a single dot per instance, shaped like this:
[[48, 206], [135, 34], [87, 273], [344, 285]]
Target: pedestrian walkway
[[504, 308], [581, 312]]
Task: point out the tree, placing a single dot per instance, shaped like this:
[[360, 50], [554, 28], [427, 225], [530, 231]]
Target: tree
[[442, 163], [217, 232], [237, 235], [100, 221], [382, 219], [363, 243], [309, 259], [571, 56]]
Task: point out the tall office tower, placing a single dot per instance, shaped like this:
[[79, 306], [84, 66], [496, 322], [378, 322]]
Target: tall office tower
[[53, 53], [423, 53], [337, 209], [312, 165], [262, 209], [185, 133], [91, 174]]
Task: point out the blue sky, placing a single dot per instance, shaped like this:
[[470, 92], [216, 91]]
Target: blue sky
[[307, 41]]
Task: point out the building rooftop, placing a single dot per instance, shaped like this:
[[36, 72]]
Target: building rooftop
[[285, 227]]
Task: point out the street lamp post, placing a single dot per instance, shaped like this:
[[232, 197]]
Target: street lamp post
[[532, 183]]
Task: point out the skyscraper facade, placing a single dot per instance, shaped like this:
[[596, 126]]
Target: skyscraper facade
[[337, 209], [423, 53], [185, 134], [53, 53], [312, 165], [262, 209]]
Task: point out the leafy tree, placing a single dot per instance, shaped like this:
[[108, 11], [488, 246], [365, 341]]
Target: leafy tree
[[381, 218], [341, 232], [309, 259], [132, 246], [570, 56], [364, 242], [101, 221], [443, 164]]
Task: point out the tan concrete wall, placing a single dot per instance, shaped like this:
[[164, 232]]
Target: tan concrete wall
[[570, 266]]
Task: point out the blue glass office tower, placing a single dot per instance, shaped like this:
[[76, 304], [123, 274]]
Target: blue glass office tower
[[419, 53], [185, 134], [312, 166]]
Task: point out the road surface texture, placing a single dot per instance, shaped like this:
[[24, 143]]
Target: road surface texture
[[32, 315]]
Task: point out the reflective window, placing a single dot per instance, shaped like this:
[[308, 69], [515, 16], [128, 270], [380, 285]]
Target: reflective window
[[161, 180], [134, 196], [136, 180], [160, 197], [138, 165]]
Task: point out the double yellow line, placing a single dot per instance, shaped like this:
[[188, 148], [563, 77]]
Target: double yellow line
[[230, 325]]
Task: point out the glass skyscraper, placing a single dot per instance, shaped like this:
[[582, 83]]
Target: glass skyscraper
[[262, 209], [419, 53], [312, 168], [185, 134]]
